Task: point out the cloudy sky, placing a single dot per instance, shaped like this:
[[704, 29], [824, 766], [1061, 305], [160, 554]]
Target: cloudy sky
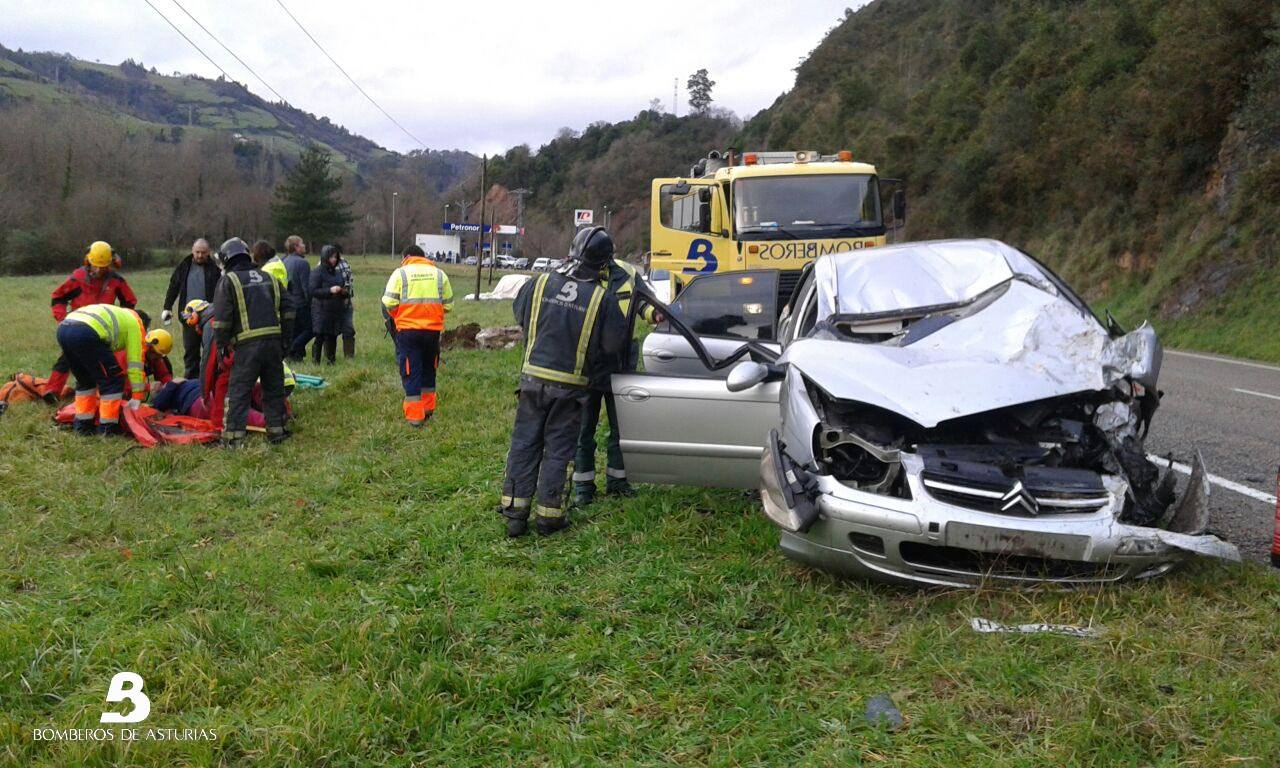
[[481, 75]]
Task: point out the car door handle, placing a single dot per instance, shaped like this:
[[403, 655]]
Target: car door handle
[[664, 355], [635, 394]]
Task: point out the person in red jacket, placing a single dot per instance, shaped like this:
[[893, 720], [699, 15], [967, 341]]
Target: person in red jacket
[[94, 283]]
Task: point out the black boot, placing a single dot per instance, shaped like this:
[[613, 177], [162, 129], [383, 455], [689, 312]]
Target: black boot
[[583, 493], [110, 429], [619, 487], [83, 427], [549, 525], [516, 526], [348, 347]]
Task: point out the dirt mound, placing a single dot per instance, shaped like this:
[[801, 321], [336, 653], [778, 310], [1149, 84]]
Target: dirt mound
[[462, 337]]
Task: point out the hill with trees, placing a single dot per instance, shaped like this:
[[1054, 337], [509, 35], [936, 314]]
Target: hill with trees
[[174, 157], [607, 166], [1133, 144]]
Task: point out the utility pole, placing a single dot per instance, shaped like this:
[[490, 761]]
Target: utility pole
[[493, 246], [520, 193], [394, 195], [606, 215], [675, 89], [484, 182], [462, 238]]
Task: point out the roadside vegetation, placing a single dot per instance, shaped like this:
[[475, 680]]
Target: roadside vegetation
[[348, 600]]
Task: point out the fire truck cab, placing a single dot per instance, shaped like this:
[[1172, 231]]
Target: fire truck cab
[[765, 210]]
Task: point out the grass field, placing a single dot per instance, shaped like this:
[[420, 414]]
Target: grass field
[[349, 600]]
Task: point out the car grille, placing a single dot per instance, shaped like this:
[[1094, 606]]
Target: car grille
[[954, 560], [1015, 500]]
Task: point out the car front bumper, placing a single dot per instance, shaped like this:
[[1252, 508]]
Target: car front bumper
[[922, 540]]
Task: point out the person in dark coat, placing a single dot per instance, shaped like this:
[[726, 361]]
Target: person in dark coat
[[328, 303], [299, 282], [195, 277]]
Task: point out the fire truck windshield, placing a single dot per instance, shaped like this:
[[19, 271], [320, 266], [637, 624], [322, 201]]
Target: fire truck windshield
[[820, 205]]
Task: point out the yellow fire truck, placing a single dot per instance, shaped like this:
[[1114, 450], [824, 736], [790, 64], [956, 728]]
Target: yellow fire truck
[[766, 210]]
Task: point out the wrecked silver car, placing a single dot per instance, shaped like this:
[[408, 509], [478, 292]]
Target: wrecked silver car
[[944, 413]]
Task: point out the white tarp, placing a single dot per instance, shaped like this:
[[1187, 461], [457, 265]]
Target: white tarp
[[506, 289]]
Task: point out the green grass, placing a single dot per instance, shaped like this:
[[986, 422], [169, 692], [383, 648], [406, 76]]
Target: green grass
[[349, 600]]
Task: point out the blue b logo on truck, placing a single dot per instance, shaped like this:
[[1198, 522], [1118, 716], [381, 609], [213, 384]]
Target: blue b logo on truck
[[700, 249]]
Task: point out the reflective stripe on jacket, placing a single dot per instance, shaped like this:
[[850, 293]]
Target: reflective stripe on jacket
[[622, 281], [122, 330], [418, 295], [246, 305], [562, 318]]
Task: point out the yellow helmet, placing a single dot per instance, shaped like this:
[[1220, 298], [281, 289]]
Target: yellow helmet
[[191, 312], [161, 340], [100, 254]]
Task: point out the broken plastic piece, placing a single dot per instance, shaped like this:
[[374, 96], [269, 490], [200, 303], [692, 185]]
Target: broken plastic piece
[[987, 626]]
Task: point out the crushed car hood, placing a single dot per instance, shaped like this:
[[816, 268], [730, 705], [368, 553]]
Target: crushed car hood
[[1028, 343]]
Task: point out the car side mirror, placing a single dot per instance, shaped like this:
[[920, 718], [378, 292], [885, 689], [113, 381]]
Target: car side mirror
[[746, 375]]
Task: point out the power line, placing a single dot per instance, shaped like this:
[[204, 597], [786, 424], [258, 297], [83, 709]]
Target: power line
[[199, 50], [349, 77], [228, 50]]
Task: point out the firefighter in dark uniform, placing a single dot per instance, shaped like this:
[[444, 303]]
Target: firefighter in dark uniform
[[622, 284], [574, 331], [246, 321]]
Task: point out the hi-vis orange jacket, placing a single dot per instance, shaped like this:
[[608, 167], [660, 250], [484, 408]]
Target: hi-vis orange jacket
[[417, 295]]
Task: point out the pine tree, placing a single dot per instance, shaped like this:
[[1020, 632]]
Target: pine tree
[[699, 86], [307, 201]]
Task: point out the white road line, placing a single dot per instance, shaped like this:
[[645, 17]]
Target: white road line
[[1255, 394], [1216, 359], [1230, 485]]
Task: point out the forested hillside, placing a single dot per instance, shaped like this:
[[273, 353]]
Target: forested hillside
[[607, 165], [1132, 143], [93, 151]]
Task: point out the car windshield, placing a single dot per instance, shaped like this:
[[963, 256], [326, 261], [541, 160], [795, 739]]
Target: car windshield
[[823, 203]]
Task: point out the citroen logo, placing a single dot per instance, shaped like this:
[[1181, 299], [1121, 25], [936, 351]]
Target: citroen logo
[[1018, 496]]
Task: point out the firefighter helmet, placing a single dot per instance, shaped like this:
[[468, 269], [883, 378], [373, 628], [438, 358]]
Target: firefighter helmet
[[592, 246], [233, 247]]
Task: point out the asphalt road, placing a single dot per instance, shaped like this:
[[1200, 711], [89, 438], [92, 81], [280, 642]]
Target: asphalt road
[[1230, 410]]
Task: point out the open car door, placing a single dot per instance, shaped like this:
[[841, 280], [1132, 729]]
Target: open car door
[[680, 423]]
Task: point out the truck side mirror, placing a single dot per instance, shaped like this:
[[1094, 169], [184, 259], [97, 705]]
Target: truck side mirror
[[704, 209], [899, 206]]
